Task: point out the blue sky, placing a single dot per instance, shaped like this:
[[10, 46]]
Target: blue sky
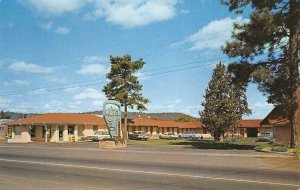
[[54, 54]]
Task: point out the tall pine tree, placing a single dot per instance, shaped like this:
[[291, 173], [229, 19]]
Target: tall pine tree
[[124, 85], [273, 28], [224, 104]]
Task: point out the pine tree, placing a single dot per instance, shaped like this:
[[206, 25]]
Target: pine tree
[[2, 115], [124, 85], [273, 28], [224, 105]]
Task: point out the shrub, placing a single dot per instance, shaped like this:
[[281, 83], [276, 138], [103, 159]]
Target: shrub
[[266, 147], [280, 148]]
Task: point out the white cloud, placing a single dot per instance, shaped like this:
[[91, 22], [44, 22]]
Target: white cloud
[[22, 66], [175, 105], [93, 69], [127, 13], [133, 13], [53, 106], [21, 82], [94, 59], [89, 93], [262, 105], [56, 7], [47, 26], [62, 30], [39, 91], [72, 89], [211, 36], [4, 102], [55, 79]]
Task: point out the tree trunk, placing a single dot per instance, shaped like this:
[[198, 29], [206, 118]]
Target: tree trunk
[[125, 123], [294, 74]]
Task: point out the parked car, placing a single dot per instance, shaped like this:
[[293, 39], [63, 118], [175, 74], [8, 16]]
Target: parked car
[[266, 136], [186, 135], [196, 137], [168, 135], [138, 135], [98, 136], [191, 136]]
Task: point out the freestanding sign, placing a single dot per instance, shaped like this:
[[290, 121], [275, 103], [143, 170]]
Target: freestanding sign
[[112, 117]]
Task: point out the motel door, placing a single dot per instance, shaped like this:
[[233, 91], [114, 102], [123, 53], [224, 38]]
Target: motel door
[[61, 130]]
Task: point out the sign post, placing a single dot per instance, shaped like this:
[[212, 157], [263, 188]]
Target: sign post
[[112, 117]]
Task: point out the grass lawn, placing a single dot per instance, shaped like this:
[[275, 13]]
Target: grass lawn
[[276, 148], [156, 142], [203, 144]]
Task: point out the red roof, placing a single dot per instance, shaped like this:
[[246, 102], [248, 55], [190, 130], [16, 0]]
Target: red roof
[[250, 123], [158, 123], [60, 118], [279, 116]]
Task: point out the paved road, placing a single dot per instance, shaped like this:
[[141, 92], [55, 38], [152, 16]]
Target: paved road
[[83, 166]]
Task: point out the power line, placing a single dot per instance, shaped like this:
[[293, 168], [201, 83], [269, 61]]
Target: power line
[[63, 88], [97, 79]]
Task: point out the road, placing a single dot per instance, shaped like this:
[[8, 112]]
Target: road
[[84, 166]]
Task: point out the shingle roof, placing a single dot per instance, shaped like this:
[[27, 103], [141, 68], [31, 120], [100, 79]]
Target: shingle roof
[[250, 123], [277, 116], [60, 118], [159, 123]]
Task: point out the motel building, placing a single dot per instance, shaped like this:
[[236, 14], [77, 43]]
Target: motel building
[[156, 127], [67, 127], [54, 127]]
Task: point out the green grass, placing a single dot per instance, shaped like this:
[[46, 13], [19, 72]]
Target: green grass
[[277, 148], [241, 140], [203, 144], [155, 142]]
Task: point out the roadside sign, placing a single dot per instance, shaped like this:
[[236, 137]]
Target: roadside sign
[[112, 117]]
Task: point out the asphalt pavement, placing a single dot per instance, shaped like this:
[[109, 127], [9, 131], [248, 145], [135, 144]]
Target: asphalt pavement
[[84, 166]]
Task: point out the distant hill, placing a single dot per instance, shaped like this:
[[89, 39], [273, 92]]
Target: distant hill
[[16, 115], [170, 116], [131, 115]]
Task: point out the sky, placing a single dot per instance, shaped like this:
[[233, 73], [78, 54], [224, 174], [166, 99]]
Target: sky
[[54, 54]]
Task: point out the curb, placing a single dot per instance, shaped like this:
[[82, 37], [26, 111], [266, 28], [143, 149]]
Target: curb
[[280, 153]]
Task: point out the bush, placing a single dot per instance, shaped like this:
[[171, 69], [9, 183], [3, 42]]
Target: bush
[[280, 149], [265, 147]]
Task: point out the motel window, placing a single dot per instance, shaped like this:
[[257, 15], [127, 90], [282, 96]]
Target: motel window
[[48, 131], [32, 131], [95, 128], [71, 130]]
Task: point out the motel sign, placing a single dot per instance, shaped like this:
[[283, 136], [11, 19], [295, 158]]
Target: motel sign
[[112, 117]]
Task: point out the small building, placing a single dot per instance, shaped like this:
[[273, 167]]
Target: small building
[[54, 127], [277, 121], [249, 128]]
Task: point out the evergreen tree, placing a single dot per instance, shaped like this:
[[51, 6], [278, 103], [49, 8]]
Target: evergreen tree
[[124, 85], [224, 104], [273, 28], [2, 115]]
